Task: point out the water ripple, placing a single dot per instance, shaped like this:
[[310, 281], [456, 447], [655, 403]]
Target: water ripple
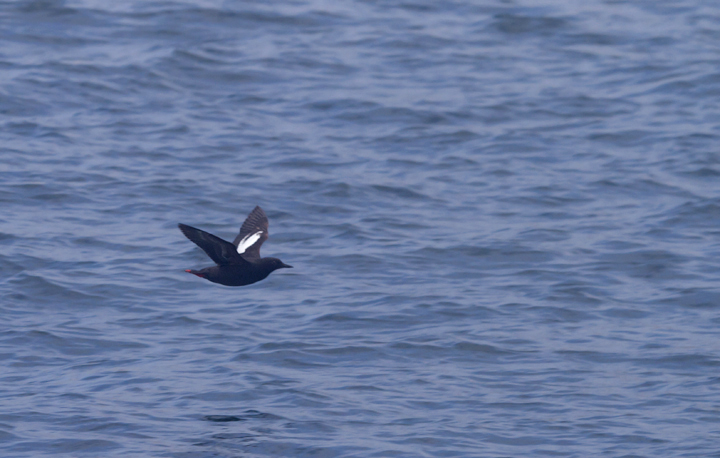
[[502, 220]]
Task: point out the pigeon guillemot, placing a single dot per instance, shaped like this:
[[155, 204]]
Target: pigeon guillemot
[[238, 263]]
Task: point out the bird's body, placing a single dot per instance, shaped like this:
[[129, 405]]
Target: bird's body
[[238, 263], [235, 274]]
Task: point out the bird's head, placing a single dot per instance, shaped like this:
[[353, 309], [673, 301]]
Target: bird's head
[[275, 264]]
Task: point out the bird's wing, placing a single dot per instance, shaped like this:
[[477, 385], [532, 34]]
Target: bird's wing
[[253, 233], [219, 250]]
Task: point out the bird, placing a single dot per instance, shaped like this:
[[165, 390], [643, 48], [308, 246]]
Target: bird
[[238, 263]]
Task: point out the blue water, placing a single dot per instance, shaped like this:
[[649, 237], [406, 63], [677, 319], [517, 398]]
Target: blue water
[[504, 219]]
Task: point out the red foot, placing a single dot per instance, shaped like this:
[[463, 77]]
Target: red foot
[[194, 273]]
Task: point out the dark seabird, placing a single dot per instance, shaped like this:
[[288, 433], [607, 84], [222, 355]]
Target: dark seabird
[[238, 263]]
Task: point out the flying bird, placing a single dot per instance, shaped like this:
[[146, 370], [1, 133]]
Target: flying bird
[[238, 263]]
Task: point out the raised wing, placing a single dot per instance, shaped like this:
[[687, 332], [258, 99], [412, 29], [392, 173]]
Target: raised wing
[[220, 251], [253, 233]]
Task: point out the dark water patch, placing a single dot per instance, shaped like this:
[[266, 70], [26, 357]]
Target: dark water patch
[[553, 314], [549, 197], [259, 416], [184, 65], [593, 356], [70, 344], [167, 319], [623, 138], [335, 106], [598, 39], [222, 418], [649, 264], [518, 24], [392, 115], [703, 172], [36, 290], [585, 106], [400, 192], [680, 362], [8, 268], [694, 214], [88, 446], [344, 317], [484, 256], [347, 353], [288, 358], [457, 162], [309, 427], [625, 313], [694, 298], [577, 294], [316, 165], [357, 262], [339, 191], [16, 106], [457, 351], [545, 235]]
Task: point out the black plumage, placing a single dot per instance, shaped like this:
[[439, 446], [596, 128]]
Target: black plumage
[[238, 263]]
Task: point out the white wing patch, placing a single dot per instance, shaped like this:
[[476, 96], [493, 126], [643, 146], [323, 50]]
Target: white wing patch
[[248, 241]]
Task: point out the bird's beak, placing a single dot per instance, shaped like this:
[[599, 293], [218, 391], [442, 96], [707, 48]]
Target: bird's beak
[[286, 266]]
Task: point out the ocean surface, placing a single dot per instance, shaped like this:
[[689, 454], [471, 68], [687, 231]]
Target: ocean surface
[[504, 218]]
